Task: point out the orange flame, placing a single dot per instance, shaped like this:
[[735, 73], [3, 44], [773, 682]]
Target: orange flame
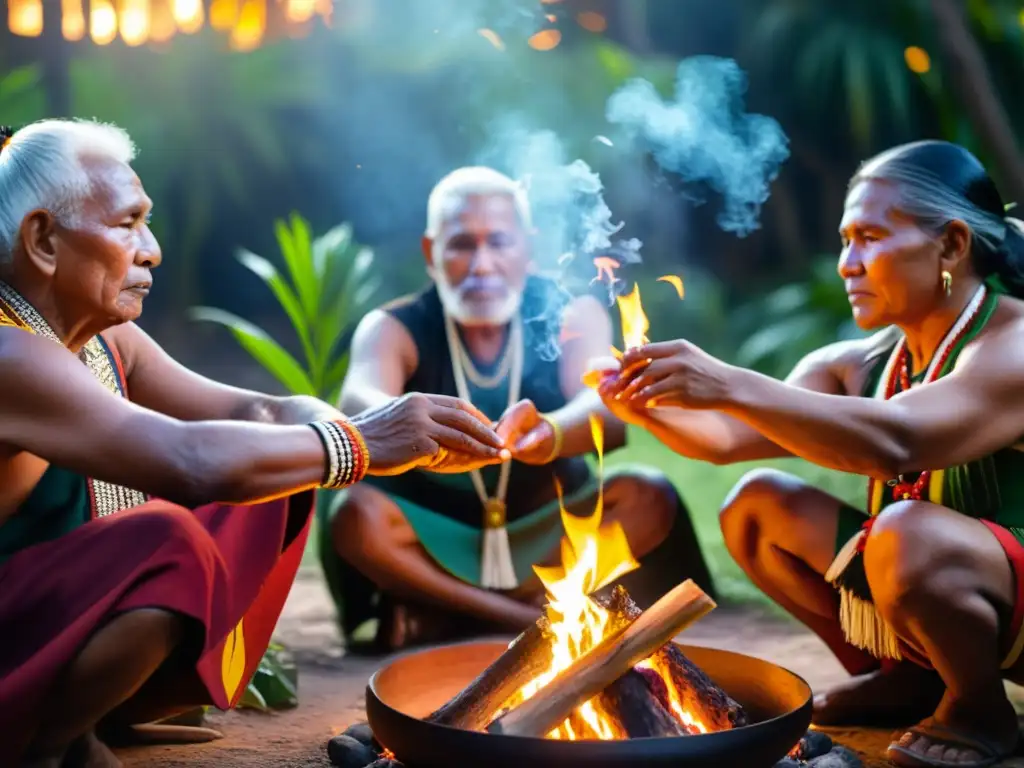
[[675, 281], [606, 267], [251, 26], [223, 14], [492, 37], [634, 321], [594, 555]]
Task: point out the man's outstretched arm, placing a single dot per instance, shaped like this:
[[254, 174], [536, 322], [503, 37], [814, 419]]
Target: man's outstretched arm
[[382, 358], [159, 382]]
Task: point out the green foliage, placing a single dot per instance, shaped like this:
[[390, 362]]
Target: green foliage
[[22, 98], [209, 123], [324, 290], [794, 320], [275, 683]]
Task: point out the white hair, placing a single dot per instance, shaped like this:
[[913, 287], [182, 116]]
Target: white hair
[[451, 192], [41, 169]]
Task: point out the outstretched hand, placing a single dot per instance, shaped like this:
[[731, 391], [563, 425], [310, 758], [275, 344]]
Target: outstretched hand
[[433, 432], [675, 373], [529, 438]]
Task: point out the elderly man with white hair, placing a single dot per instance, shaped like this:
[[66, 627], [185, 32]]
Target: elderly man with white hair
[[151, 520], [432, 558]]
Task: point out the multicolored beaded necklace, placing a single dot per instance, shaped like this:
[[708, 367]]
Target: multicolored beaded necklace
[[898, 372]]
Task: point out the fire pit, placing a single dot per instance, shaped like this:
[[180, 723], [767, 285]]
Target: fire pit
[[403, 694]]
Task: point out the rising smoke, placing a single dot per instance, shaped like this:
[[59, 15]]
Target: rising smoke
[[703, 137]]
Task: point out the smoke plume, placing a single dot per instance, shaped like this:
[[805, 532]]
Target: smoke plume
[[704, 135]]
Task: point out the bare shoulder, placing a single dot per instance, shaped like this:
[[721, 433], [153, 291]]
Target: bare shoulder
[[847, 363], [379, 335], [1000, 347], [131, 344]]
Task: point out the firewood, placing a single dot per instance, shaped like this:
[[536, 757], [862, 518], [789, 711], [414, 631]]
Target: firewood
[[619, 652], [637, 711], [475, 706], [698, 694]]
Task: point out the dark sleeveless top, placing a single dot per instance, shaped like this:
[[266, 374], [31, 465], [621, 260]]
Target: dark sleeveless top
[[530, 487]]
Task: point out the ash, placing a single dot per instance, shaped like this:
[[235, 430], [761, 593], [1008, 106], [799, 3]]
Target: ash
[[816, 750]]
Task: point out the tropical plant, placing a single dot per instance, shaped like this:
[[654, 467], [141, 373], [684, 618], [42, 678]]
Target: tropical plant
[[796, 319], [326, 287], [22, 99]]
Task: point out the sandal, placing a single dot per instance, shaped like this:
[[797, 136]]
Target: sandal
[[936, 733]]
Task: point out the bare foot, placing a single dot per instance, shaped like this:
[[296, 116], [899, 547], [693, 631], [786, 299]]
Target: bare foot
[[90, 752], [899, 696], [960, 733]]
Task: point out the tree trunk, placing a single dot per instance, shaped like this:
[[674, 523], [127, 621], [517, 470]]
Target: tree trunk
[[978, 97]]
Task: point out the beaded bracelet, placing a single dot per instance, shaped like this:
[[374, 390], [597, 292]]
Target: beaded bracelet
[[556, 450], [346, 457]]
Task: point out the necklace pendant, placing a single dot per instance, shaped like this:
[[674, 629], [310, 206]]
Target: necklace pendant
[[494, 513]]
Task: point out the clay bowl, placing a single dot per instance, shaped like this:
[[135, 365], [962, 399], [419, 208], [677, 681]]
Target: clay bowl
[[412, 686]]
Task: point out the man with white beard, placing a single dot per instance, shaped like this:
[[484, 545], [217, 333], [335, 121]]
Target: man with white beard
[[436, 557]]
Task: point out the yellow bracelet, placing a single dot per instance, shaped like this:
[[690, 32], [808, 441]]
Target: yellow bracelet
[[557, 448]]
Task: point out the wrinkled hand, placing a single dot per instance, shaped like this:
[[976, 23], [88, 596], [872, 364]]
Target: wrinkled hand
[[530, 438], [433, 432], [603, 377], [675, 373]]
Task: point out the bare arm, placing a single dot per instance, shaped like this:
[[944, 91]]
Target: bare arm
[[382, 358], [55, 409], [158, 382], [974, 411], [588, 333], [720, 438]]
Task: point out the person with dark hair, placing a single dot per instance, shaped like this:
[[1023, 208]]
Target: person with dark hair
[[921, 595]]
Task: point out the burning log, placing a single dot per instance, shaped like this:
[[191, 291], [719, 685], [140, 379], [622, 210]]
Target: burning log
[[475, 706], [637, 710], [615, 655], [697, 693]]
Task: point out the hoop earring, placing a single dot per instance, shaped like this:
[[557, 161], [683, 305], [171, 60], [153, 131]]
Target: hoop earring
[[947, 283]]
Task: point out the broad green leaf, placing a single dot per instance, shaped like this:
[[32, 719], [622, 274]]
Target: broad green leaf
[[616, 62], [858, 85], [285, 296], [264, 349], [298, 257], [253, 699]]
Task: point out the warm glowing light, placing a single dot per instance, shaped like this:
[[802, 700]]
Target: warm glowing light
[[223, 14], [634, 321], [545, 40], [162, 25], [606, 267], [25, 17], [551, 17], [189, 15], [300, 11], [252, 25], [594, 555], [72, 19], [102, 22], [134, 21], [917, 60], [492, 37], [675, 281], [592, 21]]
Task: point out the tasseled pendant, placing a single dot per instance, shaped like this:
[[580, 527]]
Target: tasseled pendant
[[861, 622], [496, 568]]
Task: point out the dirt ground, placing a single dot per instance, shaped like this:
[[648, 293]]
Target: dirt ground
[[331, 687]]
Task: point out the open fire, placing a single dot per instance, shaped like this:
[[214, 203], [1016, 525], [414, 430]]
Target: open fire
[[594, 555]]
